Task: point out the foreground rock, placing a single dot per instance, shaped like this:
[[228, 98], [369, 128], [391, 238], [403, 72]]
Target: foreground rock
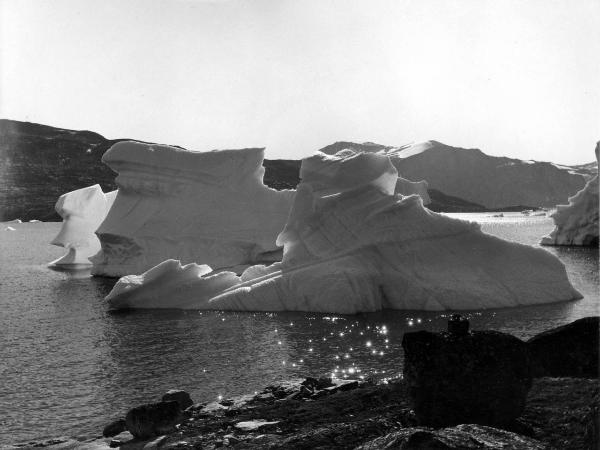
[[577, 222], [114, 428], [461, 437], [558, 414], [466, 377], [153, 419], [284, 416], [567, 351], [182, 398]]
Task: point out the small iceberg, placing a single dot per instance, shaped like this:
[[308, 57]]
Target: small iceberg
[[82, 211]]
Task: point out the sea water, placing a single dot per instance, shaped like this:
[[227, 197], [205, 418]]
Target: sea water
[[69, 367]]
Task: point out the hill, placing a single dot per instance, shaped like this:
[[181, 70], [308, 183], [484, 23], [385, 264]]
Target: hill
[[491, 181], [38, 163]]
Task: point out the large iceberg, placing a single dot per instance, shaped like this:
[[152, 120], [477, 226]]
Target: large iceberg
[[82, 210], [352, 245], [174, 203], [577, 222]]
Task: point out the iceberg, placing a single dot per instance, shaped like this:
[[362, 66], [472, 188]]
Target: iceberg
[[172, 203], [82, 211], [403, 186], [185, 287], [577, 223], [352, 245]]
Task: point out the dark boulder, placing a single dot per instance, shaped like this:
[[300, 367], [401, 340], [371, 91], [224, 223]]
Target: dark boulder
[[317, 384], [181, 397], [153, 419], [460, 437], [114, 428], [479, 377], [567, 351]]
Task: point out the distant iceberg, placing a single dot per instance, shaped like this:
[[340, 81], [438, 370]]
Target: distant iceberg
[[352, 245], [577, 222], [210, 207], [82, 211]]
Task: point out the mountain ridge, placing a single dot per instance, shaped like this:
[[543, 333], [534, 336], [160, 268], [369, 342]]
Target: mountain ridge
[[38, 163]]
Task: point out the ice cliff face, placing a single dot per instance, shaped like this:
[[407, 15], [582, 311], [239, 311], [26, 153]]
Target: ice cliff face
[[577, 222], [191, 206], [352, 245], [82, 211]]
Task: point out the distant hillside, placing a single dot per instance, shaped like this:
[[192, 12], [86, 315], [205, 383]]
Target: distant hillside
[[470, 174], [38, 163], [441, 202]]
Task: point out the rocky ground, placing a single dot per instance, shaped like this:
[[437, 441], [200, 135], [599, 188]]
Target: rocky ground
[[475, 390], [559, 414]]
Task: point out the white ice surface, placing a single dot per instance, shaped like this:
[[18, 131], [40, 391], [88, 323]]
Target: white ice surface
[[208, 207], [402, 186], [170, 285], [352, 245], [577, 222], [82, 211]]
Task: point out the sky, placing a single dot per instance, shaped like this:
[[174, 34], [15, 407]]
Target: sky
[[513, 78]]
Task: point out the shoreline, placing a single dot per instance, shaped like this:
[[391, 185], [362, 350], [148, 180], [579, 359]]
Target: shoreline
[[559, 413]]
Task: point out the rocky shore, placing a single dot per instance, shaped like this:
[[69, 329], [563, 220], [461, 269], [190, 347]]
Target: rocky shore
[[321, 413]]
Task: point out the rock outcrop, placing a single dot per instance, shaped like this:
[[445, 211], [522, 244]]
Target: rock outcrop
[[182, 398], [466, 377], [567, 351], [153, 419], [460, 437], [114, 428]]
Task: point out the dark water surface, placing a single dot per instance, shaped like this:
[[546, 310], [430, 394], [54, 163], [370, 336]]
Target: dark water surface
[[68, 367]]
